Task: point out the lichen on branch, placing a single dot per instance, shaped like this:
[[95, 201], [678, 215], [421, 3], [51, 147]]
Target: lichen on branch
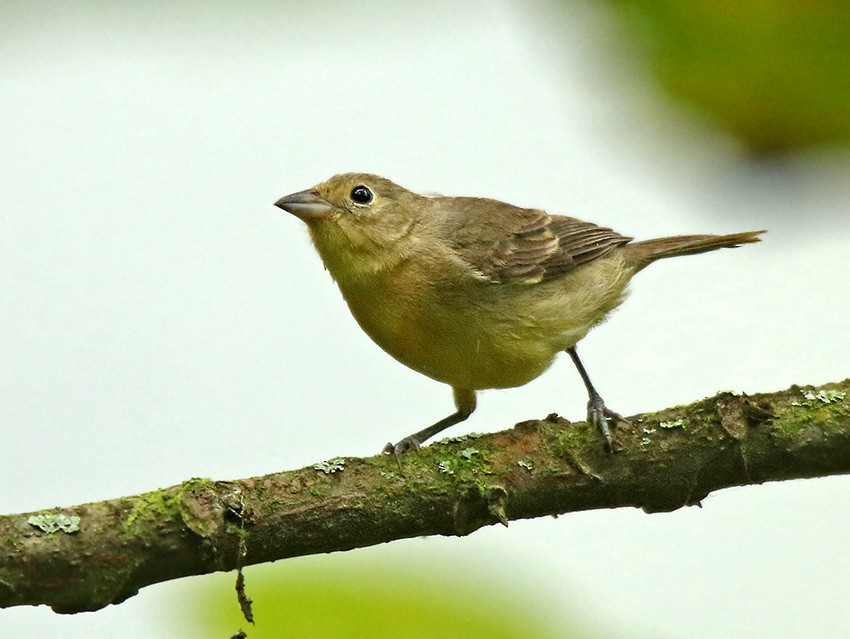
[[88, 556]]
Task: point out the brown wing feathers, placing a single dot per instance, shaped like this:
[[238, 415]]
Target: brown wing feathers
[[505, 243], [553, 246], [522, 255]]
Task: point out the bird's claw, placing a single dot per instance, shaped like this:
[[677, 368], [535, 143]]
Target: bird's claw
[[599, 415], [406, 444]]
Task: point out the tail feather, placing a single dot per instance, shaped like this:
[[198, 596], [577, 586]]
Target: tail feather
[[642, 254]]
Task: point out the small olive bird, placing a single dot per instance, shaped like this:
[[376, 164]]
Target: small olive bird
[[473, 292]]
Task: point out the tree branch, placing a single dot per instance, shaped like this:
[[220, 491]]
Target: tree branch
[[668, 459]]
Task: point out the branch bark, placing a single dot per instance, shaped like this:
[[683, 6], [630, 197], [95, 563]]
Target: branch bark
[[668, 459]]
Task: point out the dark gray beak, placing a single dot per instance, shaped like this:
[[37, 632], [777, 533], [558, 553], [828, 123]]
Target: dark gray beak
[[307, 205]]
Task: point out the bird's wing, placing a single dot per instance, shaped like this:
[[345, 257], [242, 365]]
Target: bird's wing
[[525, 246]]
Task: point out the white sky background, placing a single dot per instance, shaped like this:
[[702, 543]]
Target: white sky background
[[160, 319]]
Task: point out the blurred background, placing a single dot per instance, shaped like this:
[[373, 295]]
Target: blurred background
[[161, 320]]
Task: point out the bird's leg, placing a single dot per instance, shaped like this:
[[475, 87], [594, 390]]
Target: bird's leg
[[412, 442], [465, 403], [598, 413]]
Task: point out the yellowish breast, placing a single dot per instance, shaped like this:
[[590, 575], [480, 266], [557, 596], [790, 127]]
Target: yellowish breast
[[483, 335]]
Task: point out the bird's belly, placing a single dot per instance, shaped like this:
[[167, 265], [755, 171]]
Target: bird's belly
[[462, 355], [492, 336]]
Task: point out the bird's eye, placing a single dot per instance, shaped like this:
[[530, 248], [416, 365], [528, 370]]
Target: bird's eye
[[361, 195]]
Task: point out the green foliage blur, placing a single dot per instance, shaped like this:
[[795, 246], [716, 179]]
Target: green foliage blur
[[773, 73], [349, 597]]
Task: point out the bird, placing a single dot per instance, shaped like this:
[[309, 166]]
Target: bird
[[474, 292]]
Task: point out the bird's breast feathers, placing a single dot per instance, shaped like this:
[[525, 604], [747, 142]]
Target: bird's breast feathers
[[482, 334]]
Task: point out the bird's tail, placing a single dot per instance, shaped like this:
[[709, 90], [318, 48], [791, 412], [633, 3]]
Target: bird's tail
[[642, 254]]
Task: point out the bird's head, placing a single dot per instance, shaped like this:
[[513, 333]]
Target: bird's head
[[357, 216]]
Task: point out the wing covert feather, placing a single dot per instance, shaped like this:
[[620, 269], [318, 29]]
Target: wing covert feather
[[510, 244]]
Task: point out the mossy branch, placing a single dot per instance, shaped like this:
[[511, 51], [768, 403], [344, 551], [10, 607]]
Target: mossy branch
[[85, 557]]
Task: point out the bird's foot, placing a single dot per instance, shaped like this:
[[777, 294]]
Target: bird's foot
[[406, 444], [599, 415]]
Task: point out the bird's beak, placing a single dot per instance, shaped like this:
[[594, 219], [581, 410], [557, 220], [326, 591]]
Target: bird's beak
[[307, 205]]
